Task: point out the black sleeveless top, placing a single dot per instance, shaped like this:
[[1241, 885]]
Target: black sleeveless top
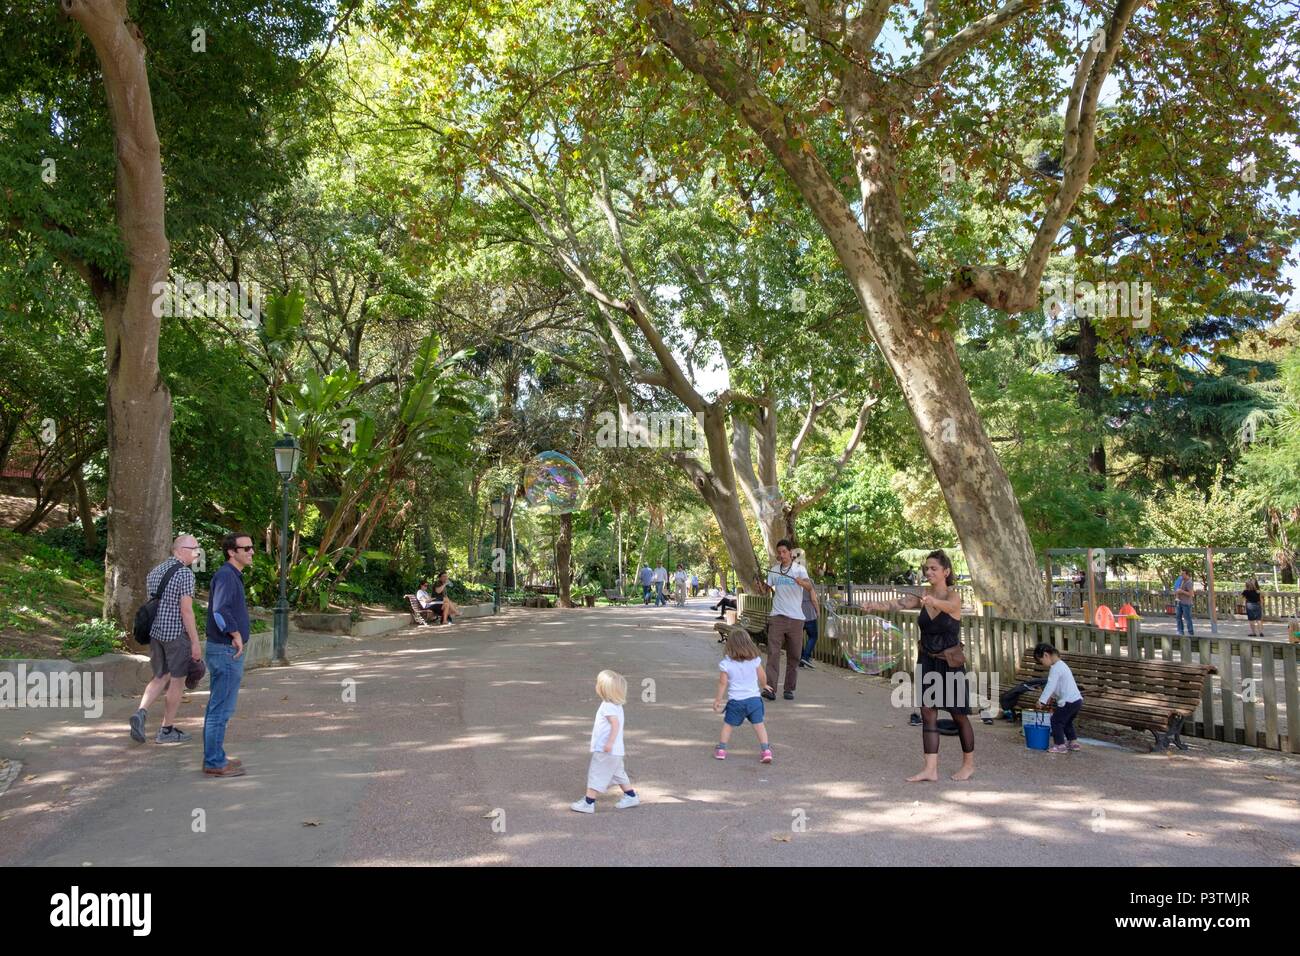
[[938, 633]]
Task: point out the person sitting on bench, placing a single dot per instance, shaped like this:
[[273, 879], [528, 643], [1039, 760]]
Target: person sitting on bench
[[442, 603], [429, 607], [725, 603]]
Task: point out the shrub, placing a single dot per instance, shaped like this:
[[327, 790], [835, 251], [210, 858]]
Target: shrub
[[92, 638]]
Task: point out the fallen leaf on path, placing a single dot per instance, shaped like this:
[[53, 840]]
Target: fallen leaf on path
[[781, 838], [311, 823], [1164, 826], [285, 697], [30, 776]]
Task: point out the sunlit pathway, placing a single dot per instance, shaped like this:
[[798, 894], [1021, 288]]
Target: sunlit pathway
[[466, 744]]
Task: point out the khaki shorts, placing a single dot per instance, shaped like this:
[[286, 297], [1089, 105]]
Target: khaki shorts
[[170, 657], [605, 770]]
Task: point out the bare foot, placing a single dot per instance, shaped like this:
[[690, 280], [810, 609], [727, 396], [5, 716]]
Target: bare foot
[[965, 772], [925, 775]]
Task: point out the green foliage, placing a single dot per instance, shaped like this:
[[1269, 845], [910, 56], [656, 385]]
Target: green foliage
[[93, 638], [43, 588], [1188, 518], [70, 539]]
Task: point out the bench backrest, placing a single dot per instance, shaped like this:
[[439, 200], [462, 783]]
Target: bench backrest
[[1099, 675]]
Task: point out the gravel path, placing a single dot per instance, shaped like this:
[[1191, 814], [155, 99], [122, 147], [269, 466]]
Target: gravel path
[[466, 744]]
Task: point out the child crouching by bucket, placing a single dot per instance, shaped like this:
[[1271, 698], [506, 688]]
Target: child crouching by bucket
[[1062, 686]]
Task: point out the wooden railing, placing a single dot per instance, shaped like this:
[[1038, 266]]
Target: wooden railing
[[1253, 700]]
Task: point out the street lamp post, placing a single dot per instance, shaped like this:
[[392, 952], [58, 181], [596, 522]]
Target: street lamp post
[[287, 454], [848, 578], [498, 554]]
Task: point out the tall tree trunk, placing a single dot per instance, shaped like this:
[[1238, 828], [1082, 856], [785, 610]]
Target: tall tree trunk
[[564, 559], [618, 534], [903, 315], [139, 405], [88, 536]]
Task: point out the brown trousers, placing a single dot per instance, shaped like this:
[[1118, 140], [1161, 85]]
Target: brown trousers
[[784, 632]]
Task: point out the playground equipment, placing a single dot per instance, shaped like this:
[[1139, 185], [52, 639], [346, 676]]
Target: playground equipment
[[1096, 561]]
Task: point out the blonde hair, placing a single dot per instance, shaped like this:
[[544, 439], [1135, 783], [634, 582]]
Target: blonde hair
[[612, 686], [740, 646]]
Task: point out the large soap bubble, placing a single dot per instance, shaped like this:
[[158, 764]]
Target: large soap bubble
[[553, 484]]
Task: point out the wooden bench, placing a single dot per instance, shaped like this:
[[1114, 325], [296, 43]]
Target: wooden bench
[[752, 617], [1147, 695], [418, 614], [613, 596]]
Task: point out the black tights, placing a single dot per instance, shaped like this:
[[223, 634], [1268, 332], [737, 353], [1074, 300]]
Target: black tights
[[930, 731]]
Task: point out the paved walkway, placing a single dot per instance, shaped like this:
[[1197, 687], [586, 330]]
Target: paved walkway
[[457, 730]]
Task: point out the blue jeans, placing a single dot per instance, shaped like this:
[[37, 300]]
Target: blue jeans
[[659, 594], [645, 594], [809, 628], [225, 673], [1185, 611]]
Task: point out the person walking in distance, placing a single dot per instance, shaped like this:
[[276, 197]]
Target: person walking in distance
[[661, 579], [173, 640], [226, 632], [1183, 603], [680, 580], [788, 582], [645, 577]]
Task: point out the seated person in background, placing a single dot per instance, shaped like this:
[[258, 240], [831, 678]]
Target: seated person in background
[[428, 606], [441, 602], [725, 603]]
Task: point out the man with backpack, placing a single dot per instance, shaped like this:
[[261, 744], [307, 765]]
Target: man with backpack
[[173, 640]]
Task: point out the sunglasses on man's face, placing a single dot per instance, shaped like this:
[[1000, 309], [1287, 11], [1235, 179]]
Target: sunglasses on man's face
[[241, 547]]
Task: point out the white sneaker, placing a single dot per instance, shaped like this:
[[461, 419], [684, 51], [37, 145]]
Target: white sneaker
[[627, 802], [582, 806]]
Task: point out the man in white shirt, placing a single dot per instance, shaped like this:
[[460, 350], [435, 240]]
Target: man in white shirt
[[660, 579], [787, 583]]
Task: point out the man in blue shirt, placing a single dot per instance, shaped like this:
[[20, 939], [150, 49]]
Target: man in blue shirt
[[646, 579], [227, 630]]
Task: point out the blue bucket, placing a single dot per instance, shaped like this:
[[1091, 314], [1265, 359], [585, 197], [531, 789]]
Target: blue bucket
[[1038, 729]]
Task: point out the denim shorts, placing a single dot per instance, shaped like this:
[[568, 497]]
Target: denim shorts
[[739, 710], [1254, 611]]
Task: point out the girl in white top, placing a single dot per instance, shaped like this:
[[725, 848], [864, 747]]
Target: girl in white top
[[607, 752], [1069, 701], [740, 677]]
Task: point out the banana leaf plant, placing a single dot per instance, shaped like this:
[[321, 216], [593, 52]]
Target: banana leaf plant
[[368, 454]]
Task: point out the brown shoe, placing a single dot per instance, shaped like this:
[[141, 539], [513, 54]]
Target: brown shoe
[[234, 762], [231, 769]]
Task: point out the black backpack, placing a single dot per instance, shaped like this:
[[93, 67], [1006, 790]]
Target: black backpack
[[144, 617]]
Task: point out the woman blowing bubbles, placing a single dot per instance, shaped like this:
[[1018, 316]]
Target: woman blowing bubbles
[[943, 686]]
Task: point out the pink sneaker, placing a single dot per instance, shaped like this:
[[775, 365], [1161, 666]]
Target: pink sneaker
[[1057, 749], [720, 753], [1074, 745], [767, 755]]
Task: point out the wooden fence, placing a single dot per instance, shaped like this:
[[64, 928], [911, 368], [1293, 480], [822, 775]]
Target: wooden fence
[[1253, 700]]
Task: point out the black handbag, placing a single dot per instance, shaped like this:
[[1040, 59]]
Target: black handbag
[[148, 611]]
